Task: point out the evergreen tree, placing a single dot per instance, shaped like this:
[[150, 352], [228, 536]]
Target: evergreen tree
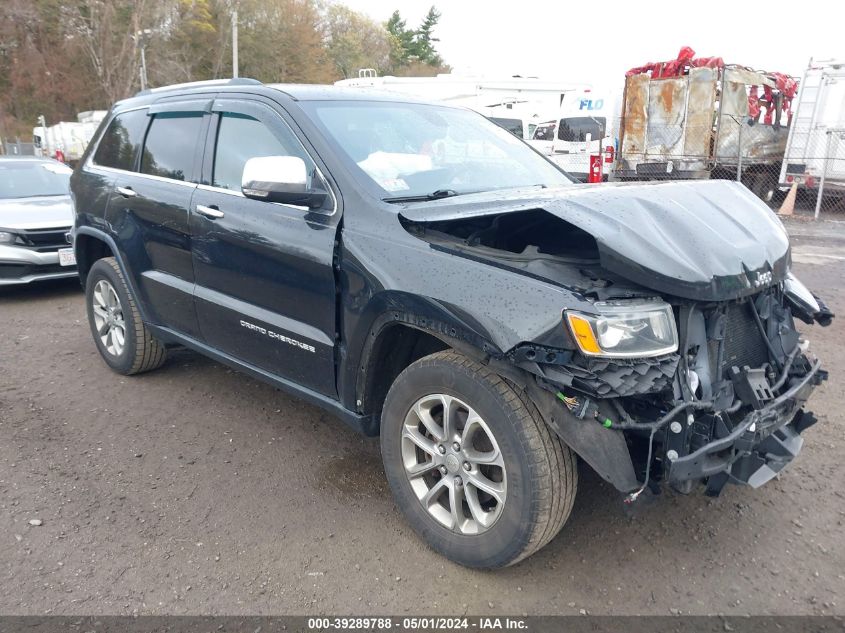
[[402, 40], [414, 47], [423, 40]]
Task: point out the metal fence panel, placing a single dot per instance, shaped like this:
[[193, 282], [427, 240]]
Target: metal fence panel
[[739, 137], [702, 100], [635, 119], [667, 109], [17, 148]]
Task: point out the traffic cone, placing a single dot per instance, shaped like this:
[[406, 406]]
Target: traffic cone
[[788, 205]]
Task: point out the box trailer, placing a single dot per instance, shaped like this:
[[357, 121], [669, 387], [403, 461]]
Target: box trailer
[[67, 140], [703, 118], [815, 147]]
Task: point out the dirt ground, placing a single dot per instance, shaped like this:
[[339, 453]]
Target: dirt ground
[[195, 489]]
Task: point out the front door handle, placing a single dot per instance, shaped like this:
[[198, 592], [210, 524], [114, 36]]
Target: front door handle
[[126, 192], [209, 212]]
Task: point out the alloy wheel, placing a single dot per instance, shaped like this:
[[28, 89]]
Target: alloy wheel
[[108, 317], [454, 464]]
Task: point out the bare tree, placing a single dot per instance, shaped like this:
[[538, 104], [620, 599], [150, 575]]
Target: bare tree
[[355, 41], [282, 40], [106, 30], [58, 57], [192, 40], [41, 70]]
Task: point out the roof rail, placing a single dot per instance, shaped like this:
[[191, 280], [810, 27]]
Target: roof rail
[[235, 81]]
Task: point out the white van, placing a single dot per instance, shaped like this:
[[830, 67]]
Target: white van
[[586, 125], [519, 118]]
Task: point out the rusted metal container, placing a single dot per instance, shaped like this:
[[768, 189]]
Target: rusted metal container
[[696, 124]]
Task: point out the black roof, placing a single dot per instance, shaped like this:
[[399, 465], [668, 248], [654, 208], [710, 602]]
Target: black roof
[[321, 92], [296, 92]]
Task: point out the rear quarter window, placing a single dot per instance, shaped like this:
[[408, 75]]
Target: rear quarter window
[[122, 140]]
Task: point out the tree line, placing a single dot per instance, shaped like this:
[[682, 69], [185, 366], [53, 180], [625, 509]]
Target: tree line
[[60, 57]]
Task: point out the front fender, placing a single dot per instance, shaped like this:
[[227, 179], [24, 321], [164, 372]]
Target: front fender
[[392, 308], [505, 305]]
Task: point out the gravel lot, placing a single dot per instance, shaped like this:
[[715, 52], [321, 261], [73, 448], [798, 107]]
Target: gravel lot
[[194, 489]]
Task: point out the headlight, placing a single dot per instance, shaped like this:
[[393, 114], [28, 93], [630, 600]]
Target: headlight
[[7, 238], [625, 329]]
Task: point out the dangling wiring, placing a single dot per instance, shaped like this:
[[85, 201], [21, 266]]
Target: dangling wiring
[[584, 407], [633, 496]]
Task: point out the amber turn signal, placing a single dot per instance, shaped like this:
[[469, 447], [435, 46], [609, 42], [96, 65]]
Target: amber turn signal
[[583, 333]]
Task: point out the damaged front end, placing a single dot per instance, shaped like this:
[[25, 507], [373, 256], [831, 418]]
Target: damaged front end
[[725, 407], [677, 359]]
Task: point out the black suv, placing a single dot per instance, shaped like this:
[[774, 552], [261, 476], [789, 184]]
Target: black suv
[[428, 277]]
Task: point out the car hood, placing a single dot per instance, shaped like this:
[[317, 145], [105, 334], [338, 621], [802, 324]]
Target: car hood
[[710, 240], [40, 212]]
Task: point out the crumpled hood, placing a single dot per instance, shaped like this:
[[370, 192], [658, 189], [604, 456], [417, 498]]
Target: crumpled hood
[[705, 240], [43, 212]]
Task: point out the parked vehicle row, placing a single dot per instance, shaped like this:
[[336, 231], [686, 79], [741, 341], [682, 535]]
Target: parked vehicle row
[[66, 140]]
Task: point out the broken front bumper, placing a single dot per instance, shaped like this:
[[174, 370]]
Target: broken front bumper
[[759, 447]]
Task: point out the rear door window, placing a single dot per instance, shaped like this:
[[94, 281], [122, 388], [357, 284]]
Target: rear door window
[[171, 145], [122, 140]]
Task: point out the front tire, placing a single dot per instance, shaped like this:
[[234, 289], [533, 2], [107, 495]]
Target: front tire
[[122, 339], [471, 463]]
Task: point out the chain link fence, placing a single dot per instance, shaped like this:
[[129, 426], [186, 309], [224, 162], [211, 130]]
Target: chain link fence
[[815, 169], [15, 147]]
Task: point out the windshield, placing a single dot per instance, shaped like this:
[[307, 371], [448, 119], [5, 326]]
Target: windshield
[[575, 129], [544, 132], [24, 179], [514, 126], [415, 150]]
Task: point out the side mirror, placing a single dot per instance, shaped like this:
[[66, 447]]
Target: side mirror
[[280, 179]]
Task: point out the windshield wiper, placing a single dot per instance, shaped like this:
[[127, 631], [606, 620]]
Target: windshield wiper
[[434, 195]]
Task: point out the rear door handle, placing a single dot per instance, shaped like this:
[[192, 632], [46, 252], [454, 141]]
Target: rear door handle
[[126, 192], [209, 212]]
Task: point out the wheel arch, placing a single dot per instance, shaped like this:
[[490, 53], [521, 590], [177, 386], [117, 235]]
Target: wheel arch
[[391, 349], [88, 248], [404, 330], [89, 245]]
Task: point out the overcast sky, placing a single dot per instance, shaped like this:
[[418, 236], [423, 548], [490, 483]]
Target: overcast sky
[[596, 42]]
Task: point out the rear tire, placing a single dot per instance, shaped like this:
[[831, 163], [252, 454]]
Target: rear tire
[[445, 399], [765, 186], [122, 339]]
